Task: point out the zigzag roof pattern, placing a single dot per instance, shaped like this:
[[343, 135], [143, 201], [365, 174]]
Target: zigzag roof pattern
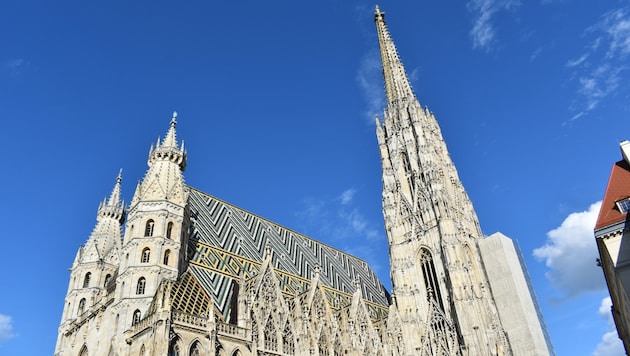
[[228, 240]]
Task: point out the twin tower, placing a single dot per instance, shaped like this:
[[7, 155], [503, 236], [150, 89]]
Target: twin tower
[[180, 272]]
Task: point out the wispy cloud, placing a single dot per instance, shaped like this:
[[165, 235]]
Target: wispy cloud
[[339, 221], [6, 328], [570, 253], [483, 32], [369, 77], [15, 66], [347, 195], [610, 345], [598, 71]]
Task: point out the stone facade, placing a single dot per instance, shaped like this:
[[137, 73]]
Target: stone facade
[[183, 273], [612, 235]]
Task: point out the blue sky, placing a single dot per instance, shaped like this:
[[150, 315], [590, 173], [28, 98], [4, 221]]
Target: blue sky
[[276, 103]]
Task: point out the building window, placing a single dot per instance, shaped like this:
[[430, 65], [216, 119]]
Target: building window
[[173, 350], [148, 230], [430, 277], [322, 345], [288, 343], [141, 285], [195, 349], [146, 255], [86, 280], [142, 350], [167, 254], [623, 205], [271, 339], [169, 230], [84, 351], [81, 306], [136, 317], [108, 278]]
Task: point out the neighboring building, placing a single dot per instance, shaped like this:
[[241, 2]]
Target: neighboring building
[[612, 234], [181, 272]]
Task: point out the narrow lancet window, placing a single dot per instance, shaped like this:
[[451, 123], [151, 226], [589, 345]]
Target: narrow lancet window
[[169, 230], [141, 285], [148, 230], [146, 255], [86, 280]]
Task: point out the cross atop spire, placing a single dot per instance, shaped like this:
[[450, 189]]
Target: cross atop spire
[[397, 85], [167, 149], [114, 206]]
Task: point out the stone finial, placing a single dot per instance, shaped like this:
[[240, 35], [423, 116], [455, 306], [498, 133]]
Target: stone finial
[[267, 249]]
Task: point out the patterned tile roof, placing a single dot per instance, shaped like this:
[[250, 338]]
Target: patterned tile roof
[[226, 240]]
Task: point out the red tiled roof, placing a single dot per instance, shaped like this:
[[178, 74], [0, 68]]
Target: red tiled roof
[[618, 188]]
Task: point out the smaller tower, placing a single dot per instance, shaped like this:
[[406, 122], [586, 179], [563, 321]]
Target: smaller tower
[[154, 245], [94, 269]]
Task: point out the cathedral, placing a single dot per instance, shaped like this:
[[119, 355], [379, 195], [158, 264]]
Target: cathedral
[[181, 272]]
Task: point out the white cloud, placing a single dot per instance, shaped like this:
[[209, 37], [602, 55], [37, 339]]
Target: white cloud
[[570, 253], [6, 327], [598, 70], [483, 31], [347, 195], [369, 77], [610, 345]]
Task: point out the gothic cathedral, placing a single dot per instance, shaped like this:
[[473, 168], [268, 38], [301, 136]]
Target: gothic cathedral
[[180, 272]]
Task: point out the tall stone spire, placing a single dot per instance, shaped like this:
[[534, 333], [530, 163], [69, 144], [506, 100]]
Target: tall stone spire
[[110, 217], [442, 294], [397, 85], [164, 179]]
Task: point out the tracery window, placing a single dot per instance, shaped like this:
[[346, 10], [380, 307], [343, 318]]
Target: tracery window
[[81, 306], [146, 255], [169, 229], [271, 337], [141, 285], [195, 349], [136, 317], [167, 254], [84, 351], [148, 229], [322, 345], [173, 348], [86, 280], [430, 277], [288, 343]]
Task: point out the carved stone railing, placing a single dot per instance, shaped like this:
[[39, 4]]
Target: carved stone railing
[[143, 324], [225, 329], [198, 321]]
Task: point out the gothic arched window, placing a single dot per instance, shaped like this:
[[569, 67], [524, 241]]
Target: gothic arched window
[[429, 274], [142, 350], [81, 306], [148, 229], [322, 345], [108, 278], [169, 230], [195, 349], [288, 343], [141, 285], [167, 254], [136, 317], [271, 338], [86, 280], [84, 351], [146, 255], [173, 349]]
